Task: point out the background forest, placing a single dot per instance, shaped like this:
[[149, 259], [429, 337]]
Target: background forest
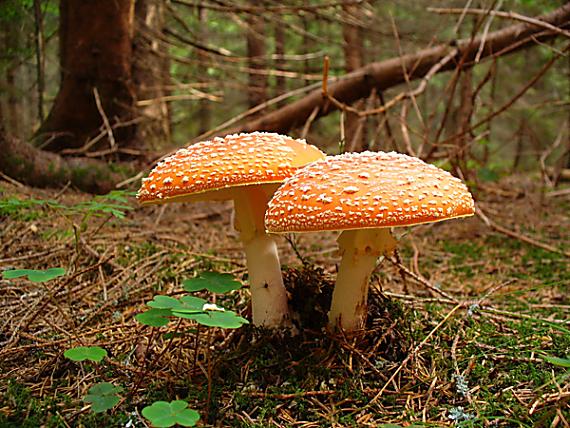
[[469, 323]]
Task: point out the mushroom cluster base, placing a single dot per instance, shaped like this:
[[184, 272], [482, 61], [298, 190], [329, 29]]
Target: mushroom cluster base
[[268, 294], [360, 250]]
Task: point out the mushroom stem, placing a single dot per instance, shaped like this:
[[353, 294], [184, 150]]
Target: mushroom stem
[[360, 249], [268, 294]]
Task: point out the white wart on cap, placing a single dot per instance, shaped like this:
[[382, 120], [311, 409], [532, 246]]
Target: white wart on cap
[[246, 168], [224, 163], [363, 195], [366, 190]]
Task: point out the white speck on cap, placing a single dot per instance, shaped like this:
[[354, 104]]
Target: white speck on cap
[[402, 180], [221, 163]]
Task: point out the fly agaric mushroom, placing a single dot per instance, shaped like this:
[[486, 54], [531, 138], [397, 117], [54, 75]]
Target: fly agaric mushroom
[[363, 195], [246, 168]]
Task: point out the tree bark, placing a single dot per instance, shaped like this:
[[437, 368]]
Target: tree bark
[[40, 168], [353, 60], [389, 73], [460, 124], [202, 34], [150, 75], [12, 106], [279, 62], [256, 50], [95, 54]]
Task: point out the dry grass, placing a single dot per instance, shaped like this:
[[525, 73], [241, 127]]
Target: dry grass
[[473, 351]]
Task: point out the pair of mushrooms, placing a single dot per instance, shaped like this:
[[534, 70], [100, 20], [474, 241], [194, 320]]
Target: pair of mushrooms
[[280, 184]]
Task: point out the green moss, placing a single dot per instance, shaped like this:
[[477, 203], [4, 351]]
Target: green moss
[[27, 411]]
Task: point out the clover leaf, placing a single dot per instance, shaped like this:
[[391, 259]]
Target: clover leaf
[[225, 319], [154, 317], [190, 303], [164, 414], [103, 396], [34, 275], [212, 281], [82, 353]]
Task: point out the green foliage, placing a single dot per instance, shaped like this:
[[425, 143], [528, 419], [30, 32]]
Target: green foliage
[[114, 203], [487, 174], [164, 414], [560, 362], [189, 307], [14, 10], [33, 274], [154, 317], [189, 303], [195, 308], [25, 209], [103, 396], [212, 281], [27, 411], [82, 353], [215, 318], [389, 426]]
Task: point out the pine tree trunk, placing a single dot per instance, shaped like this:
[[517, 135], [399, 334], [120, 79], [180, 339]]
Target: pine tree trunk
[[279, 63], [256, 50], [150, 75], [353, 52], [12, 103], [205, 110], [95, 57]]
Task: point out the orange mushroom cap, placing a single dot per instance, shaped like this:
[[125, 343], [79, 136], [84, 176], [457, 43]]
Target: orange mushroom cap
[[366, 190], [222, 164]]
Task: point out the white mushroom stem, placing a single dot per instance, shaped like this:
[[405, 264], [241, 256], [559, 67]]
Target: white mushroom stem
[[360, 250], [268, 295]]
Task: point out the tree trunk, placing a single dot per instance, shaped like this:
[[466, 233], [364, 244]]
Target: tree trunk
[[95, 57], [150, 75], [256, 50], [460, 123], [12, 105], [353, 60], [386, 74], [205, 109], [279, 63], [39, 168]]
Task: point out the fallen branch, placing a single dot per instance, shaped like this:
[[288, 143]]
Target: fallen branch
[[386, 74], [29, 165], [509, 15]]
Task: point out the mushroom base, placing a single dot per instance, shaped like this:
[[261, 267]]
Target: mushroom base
[[360, 250], [268, 295]]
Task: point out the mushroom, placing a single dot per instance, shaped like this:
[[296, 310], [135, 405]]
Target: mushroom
[[246, 168], [363, 195]]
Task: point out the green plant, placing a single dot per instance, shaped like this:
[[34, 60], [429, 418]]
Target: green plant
[[560, 362], [154, 317], [195, 308], [114, 203], [82, 353], [189, 307], [23, 208], [33, 274], [164, 414], [212, 281], [103, 396]]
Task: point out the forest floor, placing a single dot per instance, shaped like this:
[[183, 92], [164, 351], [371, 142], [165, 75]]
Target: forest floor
[[460, 333]]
